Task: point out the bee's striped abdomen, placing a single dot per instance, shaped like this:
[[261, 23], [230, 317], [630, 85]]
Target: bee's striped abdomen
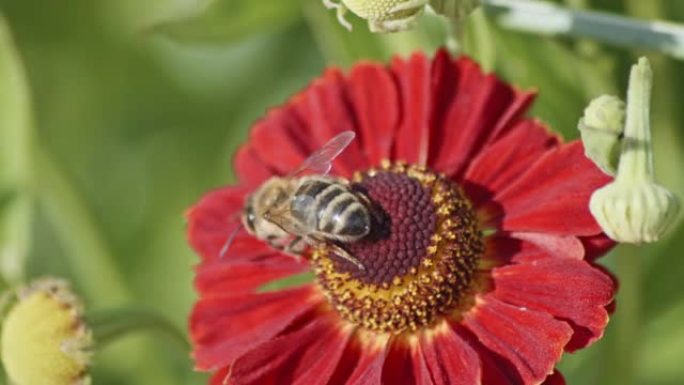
[[332, 209]]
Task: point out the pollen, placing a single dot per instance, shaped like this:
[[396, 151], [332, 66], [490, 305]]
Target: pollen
[[419, 258]]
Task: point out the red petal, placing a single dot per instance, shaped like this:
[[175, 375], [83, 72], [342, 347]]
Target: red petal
[[597, 246], [413, 136], [250, 170], [278, 140], [420, 368], [329, 112], [532, 341], [495, 369], [507, 159], [224, 328], [562, 246], [476, 105], [398, 368], [220, 377], [555, 379], [304, 357], [450, 359], [211, 221], [514, 113], [553, 195], [567, 289], [376, 102], [526, 247], [220, 278], [368, 370]]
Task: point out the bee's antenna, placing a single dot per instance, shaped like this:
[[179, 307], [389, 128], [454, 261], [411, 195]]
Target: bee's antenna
[[230, 240]]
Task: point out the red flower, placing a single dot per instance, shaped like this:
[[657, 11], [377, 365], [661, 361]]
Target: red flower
[[485, 270]]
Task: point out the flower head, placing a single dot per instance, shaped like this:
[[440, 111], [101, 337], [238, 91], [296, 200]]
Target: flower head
[[397, 15], [44, 338], [479, 264], [634, 208]]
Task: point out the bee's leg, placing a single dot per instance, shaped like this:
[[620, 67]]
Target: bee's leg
[[295, 248], [344, 254]]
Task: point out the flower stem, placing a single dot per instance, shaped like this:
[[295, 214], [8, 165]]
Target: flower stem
[[89, 256], [110, 325], [628, 317], [549, 19]]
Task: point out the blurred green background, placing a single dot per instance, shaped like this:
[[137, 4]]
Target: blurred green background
[[133, 108]]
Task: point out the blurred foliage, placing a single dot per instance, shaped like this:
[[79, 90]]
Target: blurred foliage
[[139, 104], [15, 127]]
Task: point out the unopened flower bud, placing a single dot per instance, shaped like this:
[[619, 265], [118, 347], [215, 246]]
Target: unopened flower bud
[[397, 15], [44, 338], [601, 129], [634, 214], [382, 15], [633, 208]]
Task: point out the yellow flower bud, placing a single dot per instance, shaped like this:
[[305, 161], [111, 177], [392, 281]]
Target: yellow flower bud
[[633, 208], [44, 339], [601, 130]]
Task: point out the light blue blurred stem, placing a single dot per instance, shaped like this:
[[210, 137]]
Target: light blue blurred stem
[[549, 19]]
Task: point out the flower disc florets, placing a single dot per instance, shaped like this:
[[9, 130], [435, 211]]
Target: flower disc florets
[[44, 338], [419, 259]]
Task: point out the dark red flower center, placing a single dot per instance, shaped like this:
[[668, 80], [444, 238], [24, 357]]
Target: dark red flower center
[[419, 259]]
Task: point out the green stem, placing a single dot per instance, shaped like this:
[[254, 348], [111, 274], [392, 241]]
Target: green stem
[[110, 325], [628, 317], [87, 251], [326, 34], [481, 42], [549, 19]]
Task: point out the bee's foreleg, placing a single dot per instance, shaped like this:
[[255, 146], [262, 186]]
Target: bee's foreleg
[[344, 254], [295, 247]]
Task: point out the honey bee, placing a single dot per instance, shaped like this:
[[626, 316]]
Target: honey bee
[[292, 212]]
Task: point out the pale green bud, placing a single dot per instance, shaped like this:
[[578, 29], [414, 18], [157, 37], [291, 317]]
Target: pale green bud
[[396, 15], [634, 213], [634, 208], [601, 129]]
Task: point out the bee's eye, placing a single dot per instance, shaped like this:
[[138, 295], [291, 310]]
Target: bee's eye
[[249, 218]]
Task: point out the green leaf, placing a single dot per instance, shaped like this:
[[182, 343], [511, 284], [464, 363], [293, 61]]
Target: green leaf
[[229, 20], [293, 280], [15, 137]]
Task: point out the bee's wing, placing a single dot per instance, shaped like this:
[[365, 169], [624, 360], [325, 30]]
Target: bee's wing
[[320, 162], [284, 219]]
